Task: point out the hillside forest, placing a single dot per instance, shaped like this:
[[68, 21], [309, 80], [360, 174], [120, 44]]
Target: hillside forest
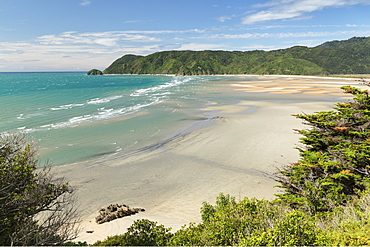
[[336, 57]]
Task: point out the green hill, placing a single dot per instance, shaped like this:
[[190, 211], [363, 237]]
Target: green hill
[[336, 57]]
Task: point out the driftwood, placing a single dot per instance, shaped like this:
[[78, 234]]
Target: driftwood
[[115, 211]]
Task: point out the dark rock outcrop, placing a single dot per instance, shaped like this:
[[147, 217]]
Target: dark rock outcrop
[[115, 211], [94, 72]]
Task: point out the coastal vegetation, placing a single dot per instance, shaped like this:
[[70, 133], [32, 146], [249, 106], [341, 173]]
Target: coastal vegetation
[[253, 222], [94, 72], [34, 208], [336, 57], [335, 161]]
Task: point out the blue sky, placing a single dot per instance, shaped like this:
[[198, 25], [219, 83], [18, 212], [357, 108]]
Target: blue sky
[[77, 35]]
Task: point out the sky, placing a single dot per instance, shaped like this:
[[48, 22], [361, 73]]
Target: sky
[[78, 35]]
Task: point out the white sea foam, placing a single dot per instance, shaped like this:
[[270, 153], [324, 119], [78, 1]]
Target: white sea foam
[[90, 102], [63, 107], [111, 113], [103, 100], [161, 94], [175, 82], [30, 115], [103, 114], [25, 130], [152, 96]]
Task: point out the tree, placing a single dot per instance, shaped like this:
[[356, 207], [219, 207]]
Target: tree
[[142, 232], [334, 166], [250, 222], [296, 228], [35, 209]]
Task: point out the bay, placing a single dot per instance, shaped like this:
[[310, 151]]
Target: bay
[[74, 117]]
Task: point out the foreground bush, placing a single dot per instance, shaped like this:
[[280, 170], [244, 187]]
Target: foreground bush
[[141, 233], [334, 167], [349, 225], [34, 209], [253, 222], [248, 222], [295, 229]]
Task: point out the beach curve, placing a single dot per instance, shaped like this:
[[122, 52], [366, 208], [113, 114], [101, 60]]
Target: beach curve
[[231, 156]]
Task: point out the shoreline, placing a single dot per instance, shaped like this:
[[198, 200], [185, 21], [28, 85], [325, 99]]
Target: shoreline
[[339, 76], [231, 154]]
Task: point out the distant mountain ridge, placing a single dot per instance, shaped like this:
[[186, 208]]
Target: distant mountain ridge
[[350, 56], [339, 43]]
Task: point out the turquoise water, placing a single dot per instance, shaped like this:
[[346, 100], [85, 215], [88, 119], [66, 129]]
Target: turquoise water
[[74, 117]]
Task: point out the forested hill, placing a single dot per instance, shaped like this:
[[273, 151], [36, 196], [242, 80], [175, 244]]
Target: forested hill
[[336, 57]]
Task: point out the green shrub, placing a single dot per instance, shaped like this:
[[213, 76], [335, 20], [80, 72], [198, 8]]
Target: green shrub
[[335, 165], [141, 233], [349, 225], [35, 207], [248, 222], [354, 233], [188, 236], [253, 222], [295, 229]]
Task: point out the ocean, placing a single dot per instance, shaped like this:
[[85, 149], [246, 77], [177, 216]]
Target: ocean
[[74, 117]]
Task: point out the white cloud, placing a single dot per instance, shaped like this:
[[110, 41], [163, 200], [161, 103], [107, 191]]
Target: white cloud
[[77, 51], [288, 9], [107, 42], [224, 18], [200, 47], [82, 51], [268, 16], [286, 35], [55, 57], [85, 3], [167, 47], [102, 38], [134, 21], [166, 31], [260, 47], [3, 28], [110, 38], [11, 51]]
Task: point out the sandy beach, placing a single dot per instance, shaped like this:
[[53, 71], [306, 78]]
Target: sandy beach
[[243, 142]]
